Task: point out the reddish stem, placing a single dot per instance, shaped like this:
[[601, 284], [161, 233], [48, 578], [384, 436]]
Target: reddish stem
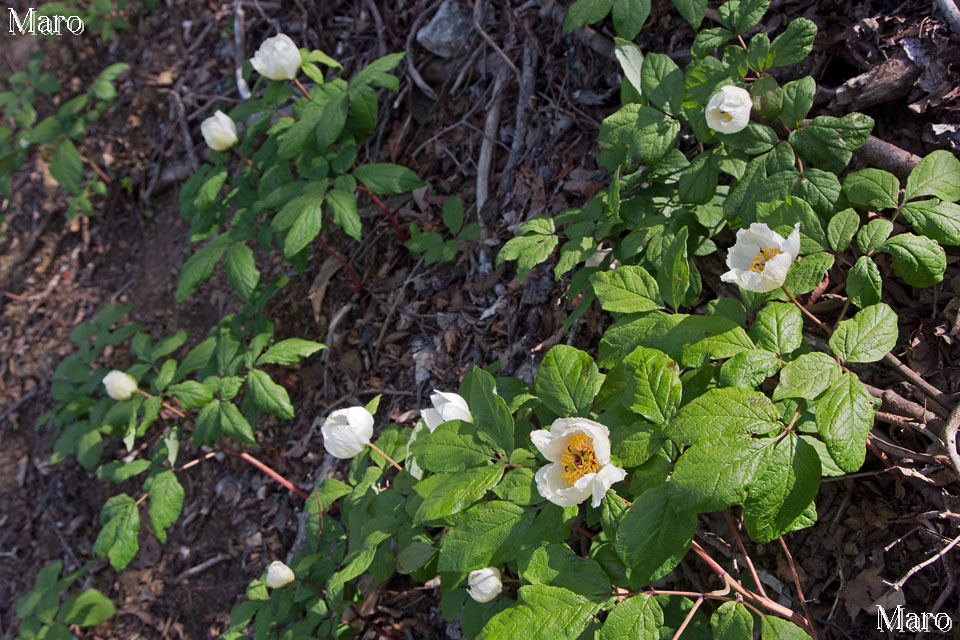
[[377, 201], [267, 470], [303, 89], [246, 159], [357, 285]]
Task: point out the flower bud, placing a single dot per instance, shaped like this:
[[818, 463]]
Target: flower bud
[[277, 58], [347, 431], [119, 385], [484, 584], [219, 131], [728, 111], [279, 575], [446, 407]]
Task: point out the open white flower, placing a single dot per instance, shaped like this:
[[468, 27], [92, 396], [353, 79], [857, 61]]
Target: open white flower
[[347, 431], [579, 452], [446, 407], [278, 58], [761, 258], [279, 575], [728, 111], [119, 385], [484, 584], [219, 131]]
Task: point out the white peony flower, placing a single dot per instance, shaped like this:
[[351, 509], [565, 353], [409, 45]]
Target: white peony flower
[[347, 431], [761, 258], [579, 452], [120, 386], [278, 58], [598, 257], [279, 575], [729, 110], [484, 584], [446, 407], [219, 131]]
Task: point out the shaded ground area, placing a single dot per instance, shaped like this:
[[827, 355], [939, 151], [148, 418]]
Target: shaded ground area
[[419, 327]]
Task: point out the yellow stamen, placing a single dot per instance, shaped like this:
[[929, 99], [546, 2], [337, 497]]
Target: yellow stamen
[[579, 459], [726, 116], [763, 258]]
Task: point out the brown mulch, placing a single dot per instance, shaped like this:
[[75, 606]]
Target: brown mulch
[[417, 327]]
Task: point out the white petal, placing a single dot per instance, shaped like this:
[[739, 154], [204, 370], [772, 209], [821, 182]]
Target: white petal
[[553, 487], [485, 584], [549, 446], [604, 480], [347, 431], [432, 418], [791, 246]]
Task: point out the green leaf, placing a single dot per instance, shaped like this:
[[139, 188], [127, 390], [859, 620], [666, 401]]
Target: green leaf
[[343, 206], [457, 491], [919, 260], [755, 138], [807, 377], [873, 234], [643, 132], [778, 327], [797, 100], [568, 381], [542, 612], [383, 177], [528, 250], [844, 418], [723, 412], [191, 394], [519, 487], [483, 534], [290, 351], [636, 617], [242, 271], [234, 424], [89, 449], [744, 14], [872, 189], [654, 535], [102, 88], [662, 82], [629, 16], [304, 229], [863, 283], [166, 502], [748, 369], [698, 182], [937, 220], [199, 267], [714, 474], [830, 141], [453, 446], [654, 385], [841, 229], [66, 165], [786, 481], [866, 337], [453, 214], [709, 39], [794, 44], [491, 411], [692, 11], [558, 566], [808, 273], [630, 58], [117, 540], [86, 609], [937, 175], [674, 274], [731, 621], [584, 12], [767, 97], [779, 629], [628, 289], [268, 395]]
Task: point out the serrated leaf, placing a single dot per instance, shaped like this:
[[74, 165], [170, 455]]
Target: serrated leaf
[[630, 58], [797, 100], [234, 424], [453, 446], [636, 617], [86, 609], [483, 534], [542, 612], [748, 369], [66, 166], [866, 337], [864, 283], [937, 220], [268, 395], [628, 289], [567, 381], [191, 394], [808, 272], [199, 267], [709, 39], [343, 206], [919, 260], [778, 327], [654, 534], [654, 384], [807, 377], [873, 234], [673, 277], [830, 141], [457, 491], [662, 82], [723, 412], [290, 351], [841, 229], [937, 175], [643, 132], [775, 628], [714, 474], [558, 566], [117, 540], [304, 229], [629, 16], [786, 481], [528, 251], [383, 178], [872, 188], [691, 10], [844, 418], [166, 502], [794, 44]]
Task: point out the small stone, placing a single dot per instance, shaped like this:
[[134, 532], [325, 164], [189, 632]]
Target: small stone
[[448, 31]]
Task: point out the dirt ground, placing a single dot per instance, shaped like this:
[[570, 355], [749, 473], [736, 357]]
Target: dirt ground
[[419, 327]]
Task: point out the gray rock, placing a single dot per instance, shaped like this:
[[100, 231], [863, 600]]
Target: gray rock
[[448, 31]]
